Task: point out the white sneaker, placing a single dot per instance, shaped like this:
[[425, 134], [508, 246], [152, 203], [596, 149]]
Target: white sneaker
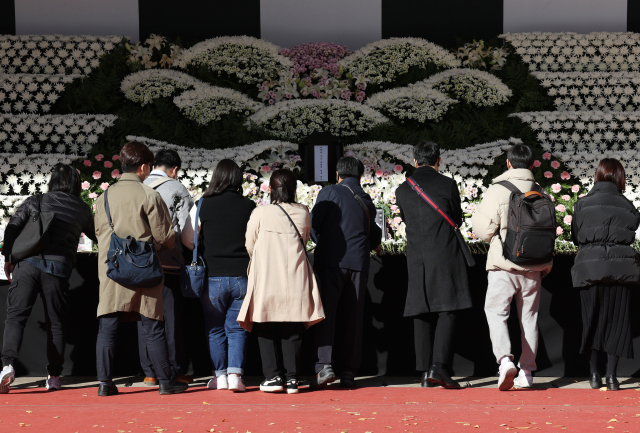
[[507, 372], [524, 380], [236, 384], [53, 383], [219, 382], [7, 376]]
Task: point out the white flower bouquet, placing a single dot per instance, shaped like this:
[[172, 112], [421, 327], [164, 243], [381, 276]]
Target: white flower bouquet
[[476, 87], [206, 103], [32, 93], [417, 102], [145, 86]]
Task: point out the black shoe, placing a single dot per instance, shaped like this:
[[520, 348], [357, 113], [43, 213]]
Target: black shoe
[[595, 381], [272, 385], [173, 387], [439, 376], [612, 383], [292, 386], [323, 378], [347, 380], [424, 382], [107, 390]]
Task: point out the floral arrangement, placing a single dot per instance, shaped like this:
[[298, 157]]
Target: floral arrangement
[[297, 119], [383, 61], [145, 86], [249, 59], [598, 51], [33, 93], [28, 174], [473, 86], [68, 134], [606, 91], [156, 51], [415, 102], [8, 206], [209, 103], [570, 131], [53, 54], [476, 55], [307, 58]]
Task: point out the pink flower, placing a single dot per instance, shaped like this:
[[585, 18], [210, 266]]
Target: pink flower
[[556, 187], [552, 198], [398, 168], [555, 165], [379, 172], [93, 195], [565, 175], [104, 186], [566, 197], [397, 220], [115, 174], [393, 208], [85, 185], [108, 164], [87, 163], [575, 188], [94, 206], [115, 157], [548, 174], [99, 157], [546, 155], [559, 231], [265, 169], [567, 220], [536, 163], [264, 187], [561, 208], [581, 195], [96, 175]]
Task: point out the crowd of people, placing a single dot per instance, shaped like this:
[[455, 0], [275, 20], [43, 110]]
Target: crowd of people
[[259, 278]]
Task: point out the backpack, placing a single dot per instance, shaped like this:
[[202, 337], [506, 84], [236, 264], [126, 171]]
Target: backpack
[[531, 226]]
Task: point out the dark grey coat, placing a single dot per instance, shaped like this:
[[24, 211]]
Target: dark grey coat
[[437, 269]]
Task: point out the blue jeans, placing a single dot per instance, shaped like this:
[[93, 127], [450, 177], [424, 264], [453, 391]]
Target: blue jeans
[[221, 305]]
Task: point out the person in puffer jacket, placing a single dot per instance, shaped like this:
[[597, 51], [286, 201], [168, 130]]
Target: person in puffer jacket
[[46, 273], [606, 269]]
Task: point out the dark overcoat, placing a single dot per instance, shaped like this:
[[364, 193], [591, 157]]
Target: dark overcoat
[[437, 268]]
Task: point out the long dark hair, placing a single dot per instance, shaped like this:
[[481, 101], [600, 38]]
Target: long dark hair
[[66, 179], [283, 185], [227, 174], [611, 170]]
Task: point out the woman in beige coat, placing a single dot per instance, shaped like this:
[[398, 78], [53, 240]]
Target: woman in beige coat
[[282, 294]]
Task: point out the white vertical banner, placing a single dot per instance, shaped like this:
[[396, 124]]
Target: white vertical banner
[[77, 17], [321, 163], [353, 23], [580, 16]]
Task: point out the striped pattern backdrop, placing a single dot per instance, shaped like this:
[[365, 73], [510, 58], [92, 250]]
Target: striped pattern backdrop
[[290, 22]]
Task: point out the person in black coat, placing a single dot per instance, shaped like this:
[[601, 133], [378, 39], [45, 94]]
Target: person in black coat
[[438, 286], [345, 231], [46, 273], [606, 269]]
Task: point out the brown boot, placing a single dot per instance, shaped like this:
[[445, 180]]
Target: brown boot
[[151, 381]]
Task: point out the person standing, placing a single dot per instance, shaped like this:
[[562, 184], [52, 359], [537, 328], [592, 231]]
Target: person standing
[[47, 273], [163, 179], [506, 279], [282, 294], [606, 269], [438, 286], [227, 260], [345, 231], [137, 211]]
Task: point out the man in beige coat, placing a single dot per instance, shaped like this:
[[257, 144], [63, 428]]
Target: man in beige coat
[[137, 211], [507, 280]]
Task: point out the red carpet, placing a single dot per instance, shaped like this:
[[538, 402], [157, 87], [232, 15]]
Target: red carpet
[[364, 410]]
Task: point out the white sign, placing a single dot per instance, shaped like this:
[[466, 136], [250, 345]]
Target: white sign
[[321, 163], [84, 244]]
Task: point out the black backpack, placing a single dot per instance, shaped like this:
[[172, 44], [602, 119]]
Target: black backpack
[[531, 226]]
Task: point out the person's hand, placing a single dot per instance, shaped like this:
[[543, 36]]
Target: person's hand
[[378, 249], [8, 270]]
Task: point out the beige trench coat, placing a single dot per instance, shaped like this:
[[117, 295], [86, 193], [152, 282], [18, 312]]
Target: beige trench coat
[[281, 286], [138, 211]]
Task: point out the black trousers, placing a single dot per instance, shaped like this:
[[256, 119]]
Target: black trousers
[[27, 282], [342, 292], [280, 345], [156, 346], [173, 329], [433, 333]]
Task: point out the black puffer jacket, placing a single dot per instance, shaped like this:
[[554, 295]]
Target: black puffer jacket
[[604, 226], [73, 217]]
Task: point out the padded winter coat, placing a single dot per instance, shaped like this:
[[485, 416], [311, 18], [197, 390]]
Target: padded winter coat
[[604, 226]]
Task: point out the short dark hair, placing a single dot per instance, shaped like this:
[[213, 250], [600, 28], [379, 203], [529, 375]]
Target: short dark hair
[[611, 170], [66, 179], [426, 153], [227, 174], [520, 156], [133, 155], [283, 185], [167, 158], [349, 166]]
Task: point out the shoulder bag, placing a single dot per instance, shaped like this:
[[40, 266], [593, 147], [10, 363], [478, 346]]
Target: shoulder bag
[[363, 205], [193, 276], [304, 247], [34, 237]]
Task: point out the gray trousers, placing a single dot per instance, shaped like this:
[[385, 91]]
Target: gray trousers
[[503, 287]]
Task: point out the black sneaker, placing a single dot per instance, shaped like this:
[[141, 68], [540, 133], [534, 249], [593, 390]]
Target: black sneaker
[[323, 378], [272, 385], [173, 387], [292, 386]]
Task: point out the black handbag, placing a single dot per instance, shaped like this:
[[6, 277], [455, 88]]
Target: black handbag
[[34, 237]]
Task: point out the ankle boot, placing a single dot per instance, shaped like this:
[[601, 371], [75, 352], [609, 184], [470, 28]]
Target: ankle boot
[[595, 381], [612, 383]]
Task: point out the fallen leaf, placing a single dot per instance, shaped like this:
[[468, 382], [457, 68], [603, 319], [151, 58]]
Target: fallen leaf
[[410, 402], [56, 417], [604, 388], [204, 402], [613, 420], [29, 411], [271, 423]]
